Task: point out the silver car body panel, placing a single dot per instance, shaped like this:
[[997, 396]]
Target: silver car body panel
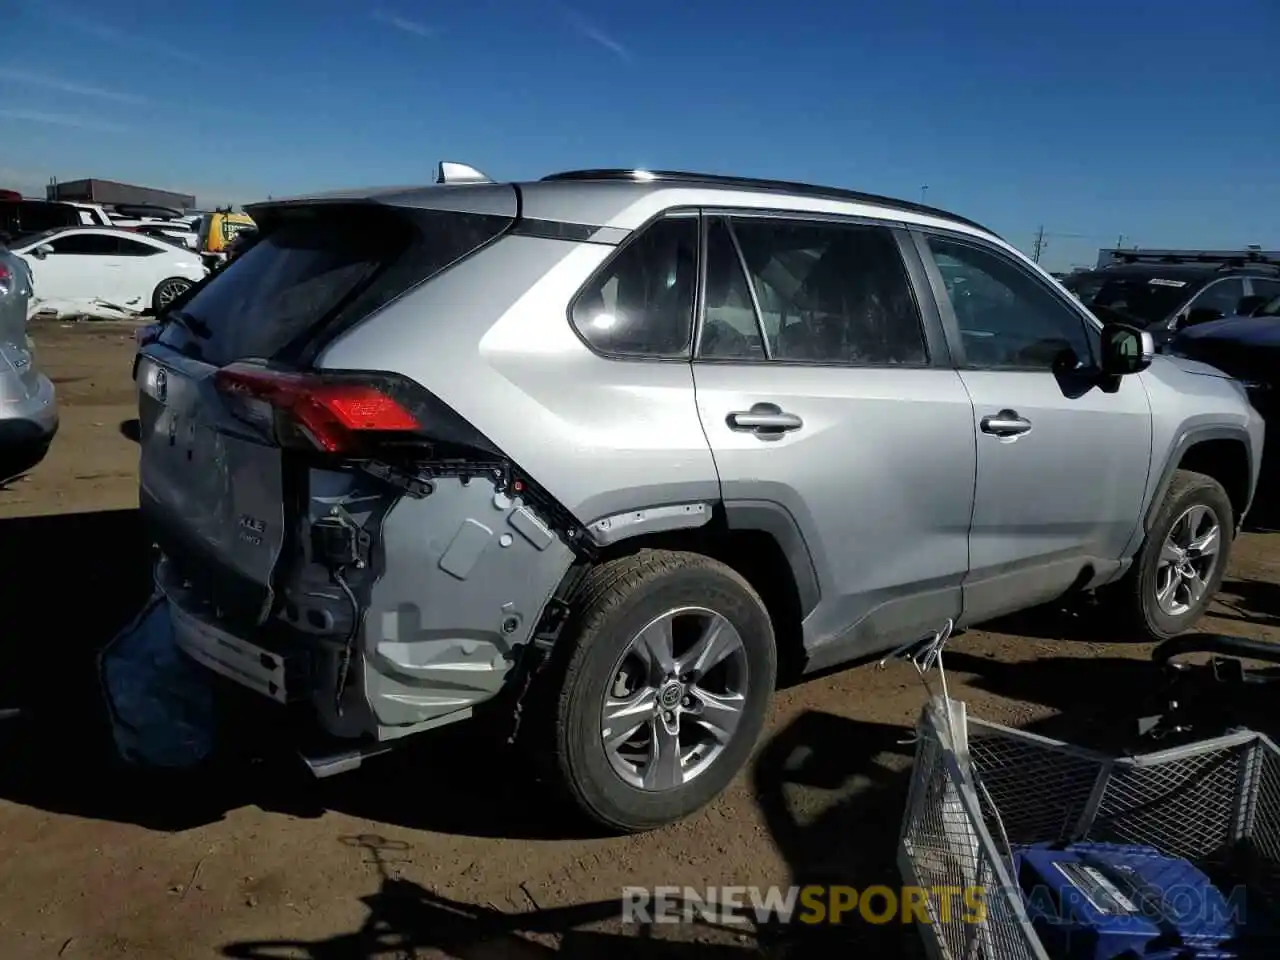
[[893, 509], [28, 398]]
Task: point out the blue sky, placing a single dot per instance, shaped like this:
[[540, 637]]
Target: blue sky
[[1158, 121]]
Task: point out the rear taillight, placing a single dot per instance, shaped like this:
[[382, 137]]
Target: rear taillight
[[6, 279], [332, 413]]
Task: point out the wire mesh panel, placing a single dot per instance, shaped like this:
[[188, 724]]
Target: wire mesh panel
[[987, 788], [1184, 805], [948, 853]]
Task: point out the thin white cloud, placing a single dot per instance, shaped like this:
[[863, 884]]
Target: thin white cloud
[[596, 35], [112, 35], [404, 24], [47, 82], [62, 120]]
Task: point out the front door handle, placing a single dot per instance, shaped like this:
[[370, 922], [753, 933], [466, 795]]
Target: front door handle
[[764, 419], [1006, 423]]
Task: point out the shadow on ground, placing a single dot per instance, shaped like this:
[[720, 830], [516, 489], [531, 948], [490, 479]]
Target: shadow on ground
[[832, 790], [78, 579], [1249, 601], [405, 918]]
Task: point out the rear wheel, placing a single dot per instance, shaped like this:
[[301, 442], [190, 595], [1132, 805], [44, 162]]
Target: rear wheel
[[1183, 560], [667, 682], [167, 291]]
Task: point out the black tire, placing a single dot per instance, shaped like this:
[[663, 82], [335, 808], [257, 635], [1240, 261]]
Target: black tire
[[1135, 596], [168, 282], [616, 600]]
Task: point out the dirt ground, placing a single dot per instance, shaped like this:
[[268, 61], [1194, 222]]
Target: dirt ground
[[444, 851]]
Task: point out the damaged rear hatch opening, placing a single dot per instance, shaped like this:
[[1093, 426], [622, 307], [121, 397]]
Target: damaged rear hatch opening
[[265, 482]]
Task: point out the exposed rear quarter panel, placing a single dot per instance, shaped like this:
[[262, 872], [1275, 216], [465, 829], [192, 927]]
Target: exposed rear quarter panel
[[491, 338]]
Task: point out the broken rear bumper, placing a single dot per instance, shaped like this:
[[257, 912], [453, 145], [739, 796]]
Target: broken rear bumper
[[274, 672]]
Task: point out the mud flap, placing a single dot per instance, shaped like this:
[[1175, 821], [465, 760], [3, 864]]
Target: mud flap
[[161, 705]]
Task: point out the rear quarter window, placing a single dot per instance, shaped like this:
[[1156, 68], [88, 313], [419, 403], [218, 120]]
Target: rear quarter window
[[641, 304]]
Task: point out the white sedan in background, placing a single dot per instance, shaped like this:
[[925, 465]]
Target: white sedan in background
[[86, 269]]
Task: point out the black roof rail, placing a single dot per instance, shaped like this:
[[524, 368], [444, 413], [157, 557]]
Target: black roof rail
[[1226, 258], [780, 186]]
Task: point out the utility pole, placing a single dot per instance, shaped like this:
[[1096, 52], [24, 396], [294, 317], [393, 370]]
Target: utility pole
[[1039, 247], [1120, 242]]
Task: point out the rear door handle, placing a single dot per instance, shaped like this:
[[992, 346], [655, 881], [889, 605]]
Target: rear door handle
[[764, 419], [1006, 423]]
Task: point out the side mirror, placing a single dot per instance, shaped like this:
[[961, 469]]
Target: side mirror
[[1126, 349], [42, 251]]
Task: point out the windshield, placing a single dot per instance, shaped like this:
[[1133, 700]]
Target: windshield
[[1146, 300]]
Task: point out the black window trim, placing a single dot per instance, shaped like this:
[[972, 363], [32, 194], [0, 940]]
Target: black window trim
[[937, 353], [634, 236], [1090, 324]]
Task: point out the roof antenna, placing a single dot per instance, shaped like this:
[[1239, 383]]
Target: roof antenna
[[450, 172]]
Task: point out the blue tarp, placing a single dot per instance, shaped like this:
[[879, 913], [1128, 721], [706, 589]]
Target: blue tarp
[[161, 704]]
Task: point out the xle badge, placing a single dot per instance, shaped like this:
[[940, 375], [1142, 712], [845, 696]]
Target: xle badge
[[251, 529]]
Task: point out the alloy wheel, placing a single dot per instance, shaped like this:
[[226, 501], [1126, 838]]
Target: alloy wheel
[[170, 290], [1187, 560], [677, 695]]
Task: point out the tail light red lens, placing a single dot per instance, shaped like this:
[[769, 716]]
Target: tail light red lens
[[334, 414]]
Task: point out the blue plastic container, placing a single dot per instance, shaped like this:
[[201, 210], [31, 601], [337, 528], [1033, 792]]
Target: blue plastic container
[[1097, 901]]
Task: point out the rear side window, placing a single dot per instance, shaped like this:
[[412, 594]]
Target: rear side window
[[133, 248], [327, 267], [812, 292], [641, 304]]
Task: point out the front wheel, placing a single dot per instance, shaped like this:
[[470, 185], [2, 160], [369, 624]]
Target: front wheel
[[168, 291], [1183, 560], [665, 690]]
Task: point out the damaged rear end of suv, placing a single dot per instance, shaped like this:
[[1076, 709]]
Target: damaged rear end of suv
[[342, 540], [371, 448]]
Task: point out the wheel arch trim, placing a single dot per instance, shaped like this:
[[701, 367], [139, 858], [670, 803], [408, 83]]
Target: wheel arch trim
[[777, 522], [1186, 440]]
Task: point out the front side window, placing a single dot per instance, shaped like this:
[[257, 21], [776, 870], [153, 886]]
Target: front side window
[[642, 303], [1221, 298], [85, 244], [1008, 319], [809, 292]]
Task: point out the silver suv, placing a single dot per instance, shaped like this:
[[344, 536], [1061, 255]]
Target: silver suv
[[631, 440]]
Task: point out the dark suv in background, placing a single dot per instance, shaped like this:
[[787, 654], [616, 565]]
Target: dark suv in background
[[1165, 291], [21, 217]]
